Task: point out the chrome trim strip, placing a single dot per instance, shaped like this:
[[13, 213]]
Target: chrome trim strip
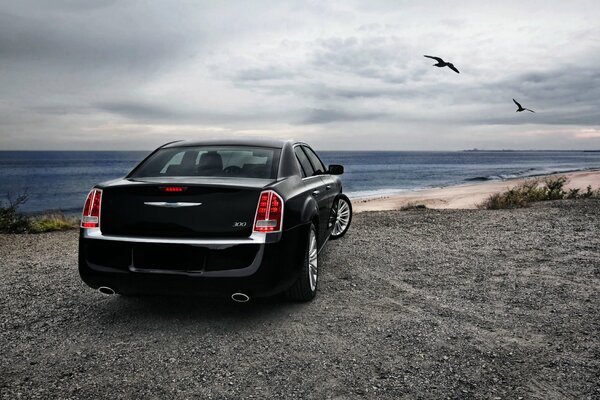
[[255, 238], [171, 205]]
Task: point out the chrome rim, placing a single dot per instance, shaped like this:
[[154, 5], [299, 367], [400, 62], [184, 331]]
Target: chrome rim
[[342, 218], [312, 261]]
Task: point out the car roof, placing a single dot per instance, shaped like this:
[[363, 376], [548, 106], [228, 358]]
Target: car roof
[[260, 142]]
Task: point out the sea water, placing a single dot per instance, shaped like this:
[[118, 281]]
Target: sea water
[[60, 180]]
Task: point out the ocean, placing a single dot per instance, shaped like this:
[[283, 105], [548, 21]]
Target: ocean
[[60, 180]]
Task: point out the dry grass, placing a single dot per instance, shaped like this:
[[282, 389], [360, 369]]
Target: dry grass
[[533, 191], [55, 221]]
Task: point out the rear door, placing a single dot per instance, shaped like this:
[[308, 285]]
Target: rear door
[[316, 188], [329, 187]]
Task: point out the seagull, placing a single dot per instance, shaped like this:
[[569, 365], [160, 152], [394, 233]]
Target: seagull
[[442, 63], [521, 108]]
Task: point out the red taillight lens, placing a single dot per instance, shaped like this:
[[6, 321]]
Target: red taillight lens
[[269, 212], [91, 211]]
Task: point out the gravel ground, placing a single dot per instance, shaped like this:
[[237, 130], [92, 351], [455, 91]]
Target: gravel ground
[[413, 304]]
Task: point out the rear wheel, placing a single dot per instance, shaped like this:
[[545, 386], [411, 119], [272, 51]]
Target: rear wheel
[[305, 287], [343, 217]]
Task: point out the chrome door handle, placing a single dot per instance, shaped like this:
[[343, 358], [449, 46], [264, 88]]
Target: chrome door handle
[[316, 192], [328, 187]]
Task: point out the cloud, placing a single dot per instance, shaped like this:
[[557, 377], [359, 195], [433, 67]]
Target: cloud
[[588, 134], [73, 72], [263, 74], [320, 116]]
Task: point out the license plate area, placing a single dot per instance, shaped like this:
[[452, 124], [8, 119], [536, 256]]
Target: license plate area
[[169, 257]]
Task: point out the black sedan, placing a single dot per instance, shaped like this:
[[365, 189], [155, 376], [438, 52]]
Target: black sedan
[[240, 218]]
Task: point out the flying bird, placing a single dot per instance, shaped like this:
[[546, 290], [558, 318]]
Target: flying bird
[[521, 108], [441, 63]]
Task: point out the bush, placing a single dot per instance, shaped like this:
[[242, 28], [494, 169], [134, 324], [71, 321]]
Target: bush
[[532, 191], [554, 188], [413, 206], [12, 221]]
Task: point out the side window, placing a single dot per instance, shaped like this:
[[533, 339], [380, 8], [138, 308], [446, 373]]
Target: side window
[[314, 160], [307, 169], [175, 160]]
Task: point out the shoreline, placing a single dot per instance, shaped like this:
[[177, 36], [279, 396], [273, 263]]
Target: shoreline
[[467, 195]]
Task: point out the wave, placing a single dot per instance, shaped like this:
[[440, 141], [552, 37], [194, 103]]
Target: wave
[[375, 193], [529, 173], [482, 179]]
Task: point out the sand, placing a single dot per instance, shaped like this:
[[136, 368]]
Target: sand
[[466, 196]]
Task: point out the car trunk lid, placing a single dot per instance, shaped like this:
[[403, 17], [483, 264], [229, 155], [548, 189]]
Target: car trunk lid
[[189, 208]]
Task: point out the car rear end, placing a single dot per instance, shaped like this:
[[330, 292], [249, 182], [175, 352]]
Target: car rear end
[[172, 227]]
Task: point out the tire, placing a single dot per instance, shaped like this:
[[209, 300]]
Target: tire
[[342, 217], [305, 288]]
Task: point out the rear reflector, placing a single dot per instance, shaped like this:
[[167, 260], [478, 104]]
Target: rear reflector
[[91, 210], [173, 189], [269, 212]]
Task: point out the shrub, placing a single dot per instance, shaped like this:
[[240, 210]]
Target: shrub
[[573, 194], [554, 188], [12, 221], [413, 206], [590, 193], [518, 196], [532, 191]]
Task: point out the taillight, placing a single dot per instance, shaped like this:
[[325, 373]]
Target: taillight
[[173, 189], [91, 211], [269, 212]]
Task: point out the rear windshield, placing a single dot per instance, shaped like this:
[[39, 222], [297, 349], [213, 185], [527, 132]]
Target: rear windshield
[[219, 161]]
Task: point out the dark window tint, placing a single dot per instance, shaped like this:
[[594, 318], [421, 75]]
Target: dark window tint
[[221, 161], [314, 160], [307, 169]]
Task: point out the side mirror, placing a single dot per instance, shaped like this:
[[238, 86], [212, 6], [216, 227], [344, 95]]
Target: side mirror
[[335, 169]]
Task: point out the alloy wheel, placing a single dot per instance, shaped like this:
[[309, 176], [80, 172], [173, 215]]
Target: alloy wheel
[[342, 218], [312, 261]]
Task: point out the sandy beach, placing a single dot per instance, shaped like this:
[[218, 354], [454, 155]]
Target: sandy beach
[[466, 196]]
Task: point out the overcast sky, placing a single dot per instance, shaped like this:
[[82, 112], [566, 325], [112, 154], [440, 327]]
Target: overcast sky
[[103, 74]]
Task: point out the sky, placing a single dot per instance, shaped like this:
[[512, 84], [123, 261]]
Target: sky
[[340, 75]]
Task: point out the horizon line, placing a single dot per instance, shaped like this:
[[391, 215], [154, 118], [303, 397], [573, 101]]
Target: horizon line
[[475, 150]]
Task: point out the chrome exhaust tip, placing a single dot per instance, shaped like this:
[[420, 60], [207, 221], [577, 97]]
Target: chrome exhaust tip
[[240, 297], [106, 290]]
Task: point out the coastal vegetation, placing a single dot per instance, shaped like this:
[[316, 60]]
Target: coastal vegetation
[[552, 188], [14, 221], [413, 207]]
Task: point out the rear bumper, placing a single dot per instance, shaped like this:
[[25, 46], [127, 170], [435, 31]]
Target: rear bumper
[[260, 265]]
